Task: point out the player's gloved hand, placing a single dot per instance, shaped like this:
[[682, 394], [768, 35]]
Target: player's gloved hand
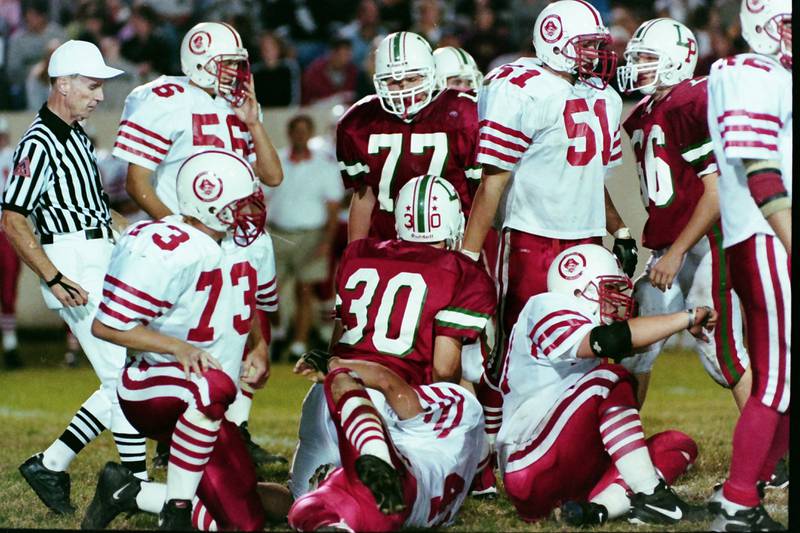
[[626, 251], [313, 364], [700, 320]]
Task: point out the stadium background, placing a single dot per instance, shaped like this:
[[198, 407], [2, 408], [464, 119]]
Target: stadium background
[[39, 399]]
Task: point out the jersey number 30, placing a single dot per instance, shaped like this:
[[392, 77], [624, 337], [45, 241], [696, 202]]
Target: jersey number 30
[[369, 278]]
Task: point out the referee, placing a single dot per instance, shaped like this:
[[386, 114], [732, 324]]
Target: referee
[[55, 182]]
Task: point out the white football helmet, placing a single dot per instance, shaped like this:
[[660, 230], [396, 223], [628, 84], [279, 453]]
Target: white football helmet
[[205, 48], [428, 210], [767, 28], [675, 49], [219, 189], [452, 62], [401, 55], [592, 275], [569, 36]]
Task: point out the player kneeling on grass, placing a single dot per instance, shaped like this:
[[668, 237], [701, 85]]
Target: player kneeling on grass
[[191, 276], [571, 432]]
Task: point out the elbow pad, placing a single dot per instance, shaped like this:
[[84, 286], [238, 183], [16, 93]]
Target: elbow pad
[[612, 341], [766, 188]]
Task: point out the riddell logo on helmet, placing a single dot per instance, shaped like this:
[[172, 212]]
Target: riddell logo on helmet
[[572, 265], [755, 6], [199, 42], [207, 186], [552, 29]]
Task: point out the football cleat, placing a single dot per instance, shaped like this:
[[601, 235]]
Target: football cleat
[[322, 473], [161, 458], [484, 485], [663, 506], [176, 516], [259, 455], [50, 486], [116, 493], [779, 478], [750, 519], [383, 481], [581, 514]]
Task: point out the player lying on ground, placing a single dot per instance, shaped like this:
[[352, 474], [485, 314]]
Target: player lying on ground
[[571, 432], [178, 390], [407, 304]]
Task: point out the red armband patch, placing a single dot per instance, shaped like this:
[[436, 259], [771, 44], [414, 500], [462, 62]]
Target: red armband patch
[[766, 185]]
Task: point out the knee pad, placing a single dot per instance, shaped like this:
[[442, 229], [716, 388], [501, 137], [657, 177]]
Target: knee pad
[[312, 512], [221, 393], [674, 440]]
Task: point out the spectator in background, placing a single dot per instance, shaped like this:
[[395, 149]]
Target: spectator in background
[[362, 30], [28, 45], [89, 22], [428, 21], [276, 76], [487, 40], [117, 14], [395, 15], [524, 14], [364, 83], [302, 215], [145, 47], [9, 266], [332, 76], [37, 84], [117, 89], [11, 13]]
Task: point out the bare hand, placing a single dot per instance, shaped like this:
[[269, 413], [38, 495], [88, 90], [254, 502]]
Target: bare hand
[[248, 111], [663, 273], [69, 293], [195, 360], [705, 319], [255, 370]]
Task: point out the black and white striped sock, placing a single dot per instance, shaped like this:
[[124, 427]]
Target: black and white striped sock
[[132, 453], [82, 429]]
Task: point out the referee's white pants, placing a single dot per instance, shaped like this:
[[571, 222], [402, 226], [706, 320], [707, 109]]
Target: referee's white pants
[[86, 262]]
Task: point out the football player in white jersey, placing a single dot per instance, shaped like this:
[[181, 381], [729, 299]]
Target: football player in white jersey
[[181, 292], [172, 117], [456, 69], [571, 430], [549, 133], [750, 120]]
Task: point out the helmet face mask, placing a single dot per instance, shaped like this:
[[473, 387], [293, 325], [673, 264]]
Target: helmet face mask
[[767, 28], [643, 70], [612, 295], [232, 74], [245, 218], [405, 74], [593, 60]]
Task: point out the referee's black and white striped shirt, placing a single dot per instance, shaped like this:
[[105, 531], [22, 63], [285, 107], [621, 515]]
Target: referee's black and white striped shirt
[[55, 180]]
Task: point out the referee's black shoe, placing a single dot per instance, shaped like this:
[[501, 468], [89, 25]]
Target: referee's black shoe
[[50, 486], [116, 493], [12, 360]]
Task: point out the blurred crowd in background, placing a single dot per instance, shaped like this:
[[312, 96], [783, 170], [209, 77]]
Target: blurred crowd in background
[[306, 51]]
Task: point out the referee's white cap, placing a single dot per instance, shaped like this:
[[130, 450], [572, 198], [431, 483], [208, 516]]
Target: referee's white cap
[[80, 57]]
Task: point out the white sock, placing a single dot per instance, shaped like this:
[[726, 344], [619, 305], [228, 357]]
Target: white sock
[[8, 325], [239, 410], [615, 499], [194, 433], [152, 497], [369, 439], [636, 468], [58, 456]]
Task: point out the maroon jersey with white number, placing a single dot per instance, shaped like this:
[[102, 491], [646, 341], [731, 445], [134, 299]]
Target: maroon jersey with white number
[[382, 151], [394, 298], [673, 152]]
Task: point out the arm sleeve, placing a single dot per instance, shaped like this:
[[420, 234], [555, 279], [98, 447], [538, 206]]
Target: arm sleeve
[[267, 290], [133, 291], [30, 173], [556, 330], [747, 106], [146, 129], [692, 131], [506, 129], [467, 314], [352, 165]]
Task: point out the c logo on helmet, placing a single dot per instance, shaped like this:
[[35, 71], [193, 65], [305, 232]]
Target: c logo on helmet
[[199, 42], [572, 265], [551, 29], [207, 186], [755, 6]]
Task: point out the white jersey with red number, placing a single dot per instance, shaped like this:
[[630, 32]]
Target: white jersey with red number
[[178, 281], [541, 363], [558, 140], [749, 117], [167, 120]]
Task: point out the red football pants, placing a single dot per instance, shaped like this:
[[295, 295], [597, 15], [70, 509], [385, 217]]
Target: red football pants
[[9, 276]]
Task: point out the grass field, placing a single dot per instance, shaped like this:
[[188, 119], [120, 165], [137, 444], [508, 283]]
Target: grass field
[[37, 402]]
